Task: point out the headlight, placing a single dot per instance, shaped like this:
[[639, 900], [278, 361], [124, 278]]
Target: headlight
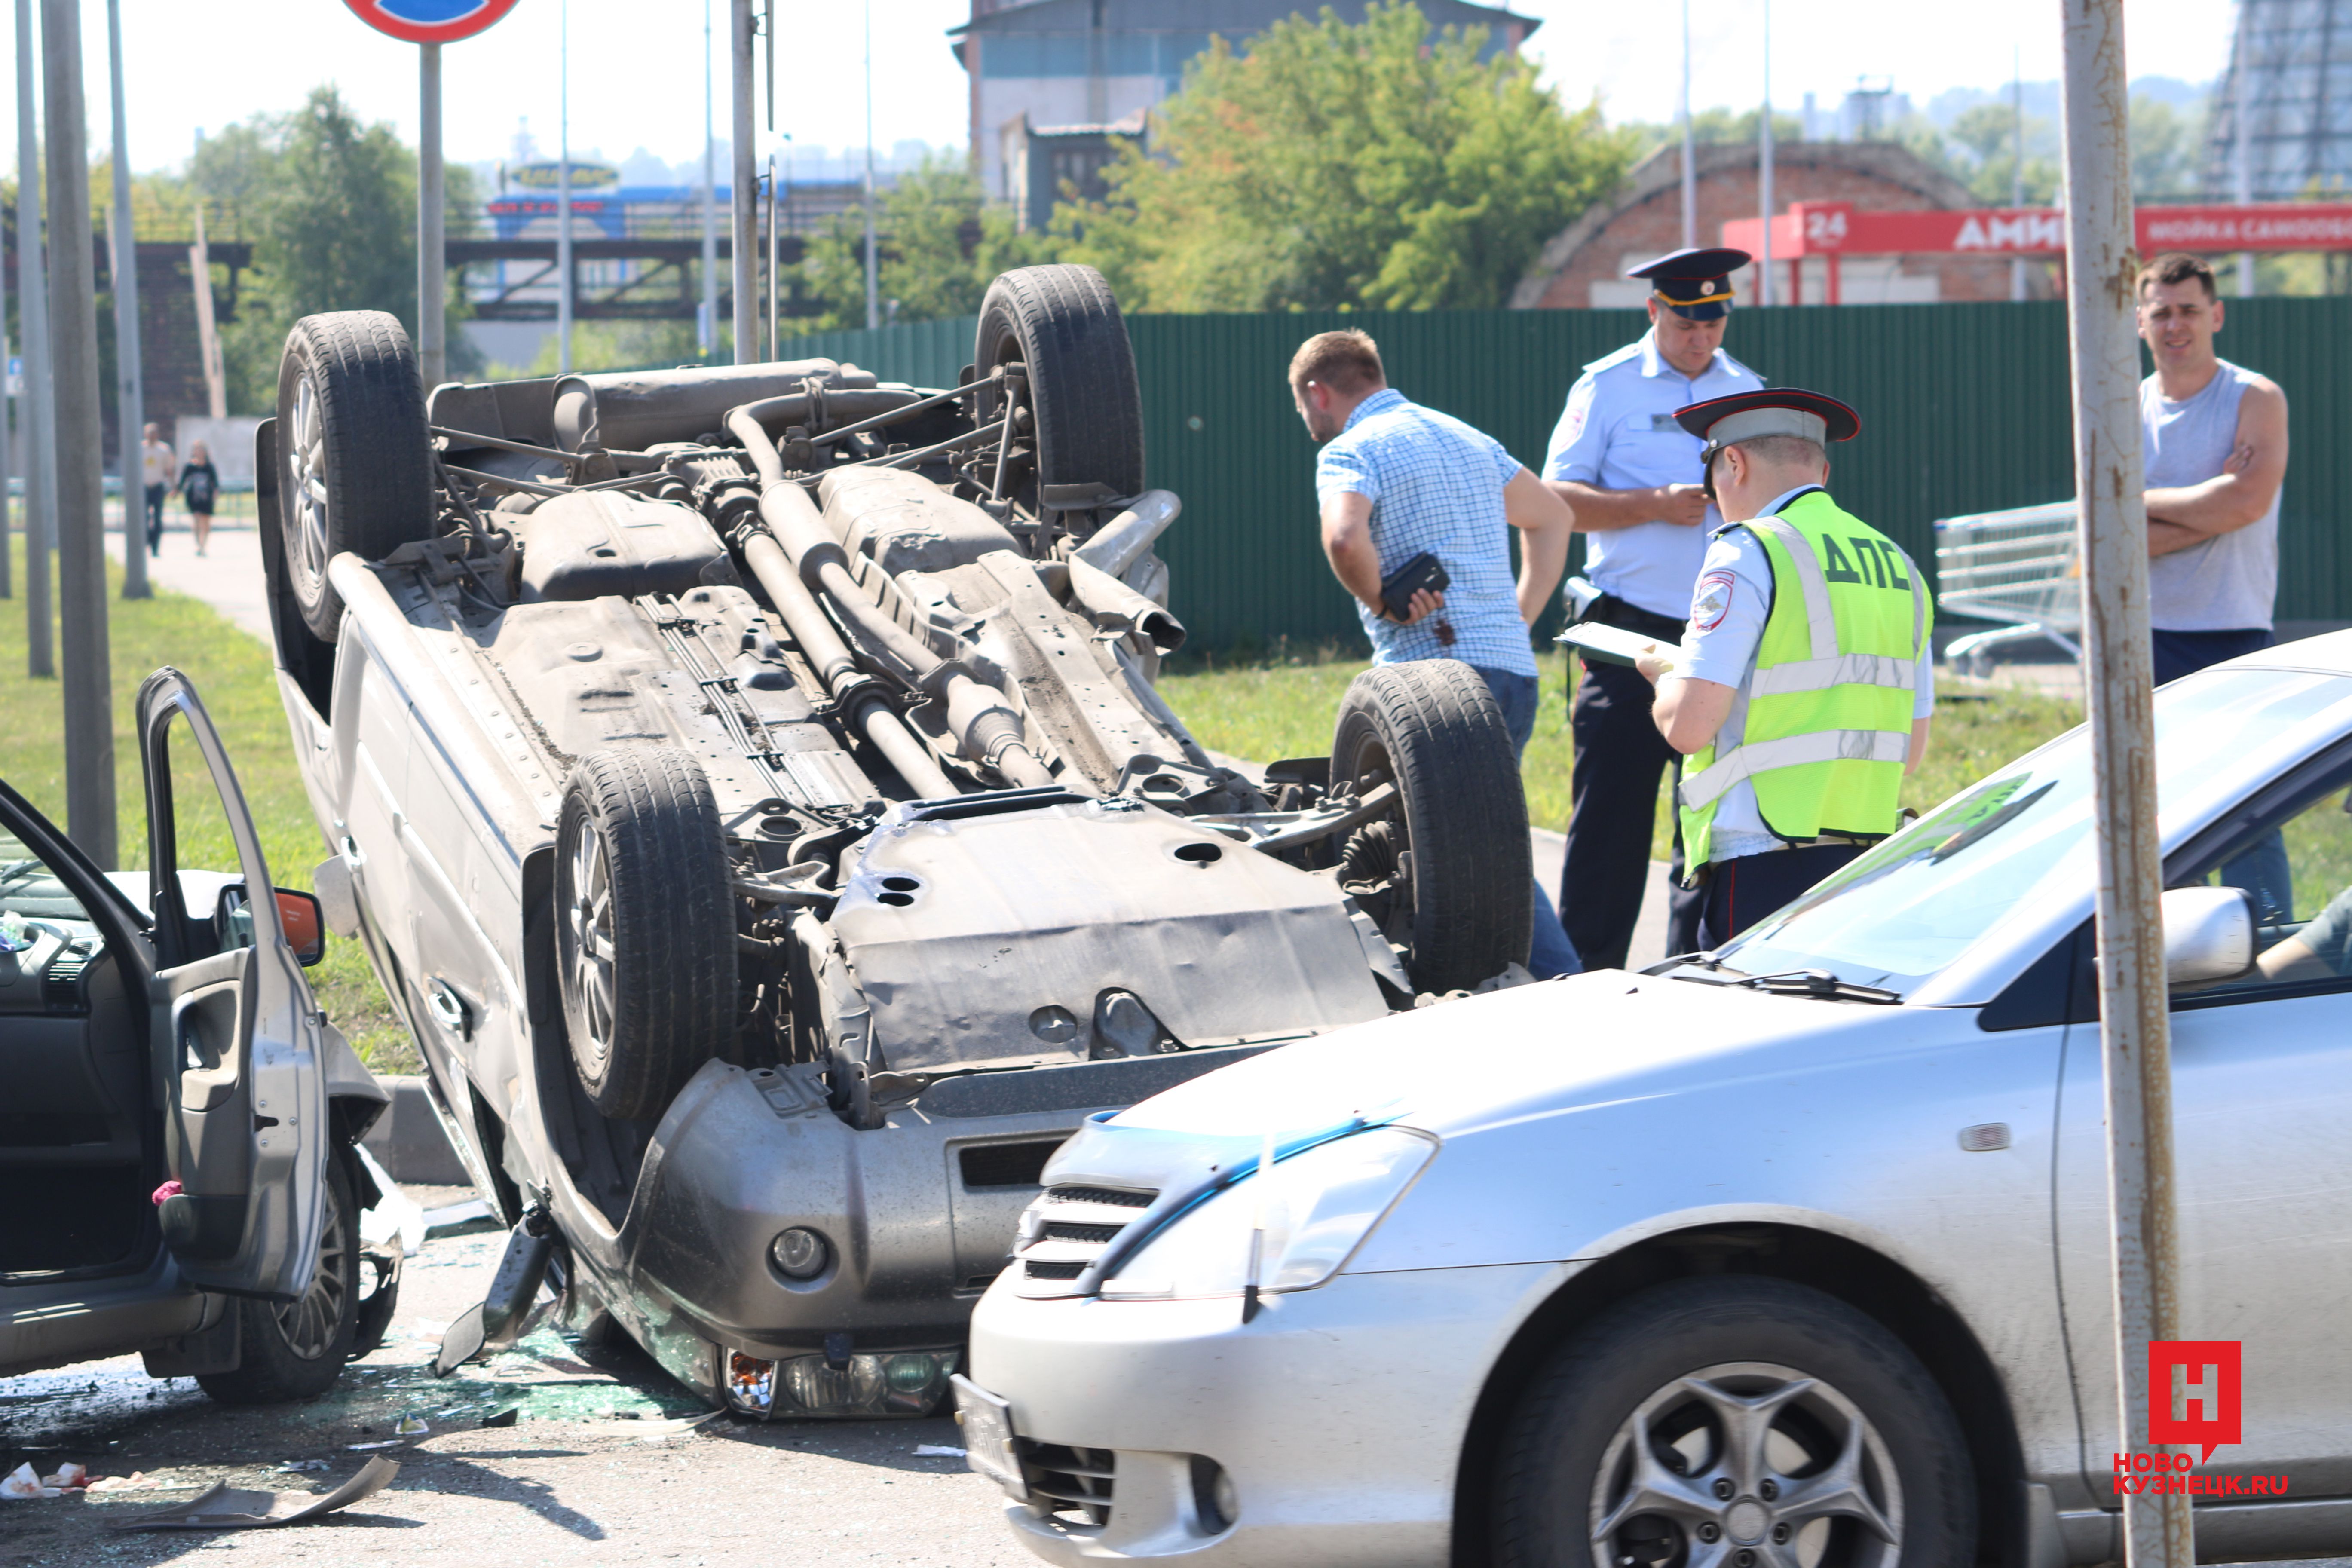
[[1318, 1206]]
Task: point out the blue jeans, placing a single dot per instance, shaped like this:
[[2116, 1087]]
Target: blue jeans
[[1552, 953]]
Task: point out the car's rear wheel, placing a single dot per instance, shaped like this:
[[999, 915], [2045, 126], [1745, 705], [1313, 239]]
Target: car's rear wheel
[[644, 926], [1446, 874], [355, 454], [1739, 1421], [1085, 444], [296, 1349]]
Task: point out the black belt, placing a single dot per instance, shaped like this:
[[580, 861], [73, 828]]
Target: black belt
[[1612, 611]]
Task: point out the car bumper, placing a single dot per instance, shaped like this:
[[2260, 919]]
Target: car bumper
[[1339, 1413]]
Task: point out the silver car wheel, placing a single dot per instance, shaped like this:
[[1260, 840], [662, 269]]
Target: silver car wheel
[[1746, 1465], [588, 943], [309, 1322], [306, 452]]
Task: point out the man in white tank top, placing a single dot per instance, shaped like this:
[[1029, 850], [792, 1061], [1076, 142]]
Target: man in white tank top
[[2213, 438]]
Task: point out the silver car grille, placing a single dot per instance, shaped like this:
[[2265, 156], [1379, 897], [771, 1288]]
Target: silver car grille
[[1072, 1485], [1068, 1227]]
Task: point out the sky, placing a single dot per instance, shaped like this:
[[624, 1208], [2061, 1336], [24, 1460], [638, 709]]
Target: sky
[[635, 83]]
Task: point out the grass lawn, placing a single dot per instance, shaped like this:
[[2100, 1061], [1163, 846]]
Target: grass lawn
[[1283, 708], [232, 672]]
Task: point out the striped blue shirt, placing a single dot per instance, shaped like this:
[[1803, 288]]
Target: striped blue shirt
[[1435, 485]]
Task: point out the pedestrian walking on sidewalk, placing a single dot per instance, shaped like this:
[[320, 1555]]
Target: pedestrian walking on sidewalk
[[156, 461], [199, 489], [1634, 477], [1396, 480]]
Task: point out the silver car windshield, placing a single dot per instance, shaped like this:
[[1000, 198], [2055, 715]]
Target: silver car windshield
[[1914, 903]]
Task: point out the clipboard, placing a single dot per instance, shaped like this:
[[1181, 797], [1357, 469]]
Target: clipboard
[[1612, 645]]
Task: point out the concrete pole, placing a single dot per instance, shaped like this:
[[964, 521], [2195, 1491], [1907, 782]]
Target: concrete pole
[[7, 567], [1764, 169], [744, 208], [1690, 168], [873, 249], [2134, 1028], [131, 401], [208, 345], [82, 492], [40, 408], [564, 278], [2242, 133], [432, 264], [706, 325]]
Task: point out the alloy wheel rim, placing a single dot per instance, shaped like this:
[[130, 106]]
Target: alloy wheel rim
[[1745, 1465], [308, 1322], [588, 943], [309, 454]]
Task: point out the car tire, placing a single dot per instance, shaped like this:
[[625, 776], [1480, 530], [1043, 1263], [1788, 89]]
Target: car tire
[[1460, 907], [354, 459], [644, 926], [1063, 323], [296, 1351], [1640, 1397]]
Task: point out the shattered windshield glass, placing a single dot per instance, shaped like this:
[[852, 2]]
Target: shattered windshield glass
[[1914, 903]]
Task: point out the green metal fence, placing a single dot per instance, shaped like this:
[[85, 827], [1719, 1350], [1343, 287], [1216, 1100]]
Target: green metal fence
[[1964, 409]]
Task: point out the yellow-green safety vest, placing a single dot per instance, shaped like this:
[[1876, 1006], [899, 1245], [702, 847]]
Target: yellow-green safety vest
[[1822, 724]]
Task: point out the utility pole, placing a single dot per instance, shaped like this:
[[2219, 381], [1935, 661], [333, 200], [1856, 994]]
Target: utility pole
[[40, 406], [563, 189], [2017, 170], [208, 345], [431, 263], [2242, 137], [130, 397], [706, 320], [7, 570], [1764, 168], [1690, 169], [82, 492], [2134, 1028], [873, 253], [744, 208]]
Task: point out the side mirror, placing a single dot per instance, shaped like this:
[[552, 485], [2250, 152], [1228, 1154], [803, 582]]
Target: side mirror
[[306, 925], [2209, 934], [298, 914], [338, 899]]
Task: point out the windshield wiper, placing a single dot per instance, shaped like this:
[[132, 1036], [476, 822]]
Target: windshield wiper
[[1818, 982]]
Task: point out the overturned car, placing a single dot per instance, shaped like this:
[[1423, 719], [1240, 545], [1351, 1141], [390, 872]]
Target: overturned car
[[749, 784]]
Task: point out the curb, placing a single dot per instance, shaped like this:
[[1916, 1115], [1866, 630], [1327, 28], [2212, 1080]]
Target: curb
[[407, 1140]]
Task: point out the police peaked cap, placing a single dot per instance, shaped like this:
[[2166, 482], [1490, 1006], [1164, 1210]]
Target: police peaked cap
[[1696, 284], [1774, 411]]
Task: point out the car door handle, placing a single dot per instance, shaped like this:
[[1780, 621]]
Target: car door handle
[[449, 1009]]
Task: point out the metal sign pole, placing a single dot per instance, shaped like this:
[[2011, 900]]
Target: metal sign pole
[[563, 277], [130, 402], [81, 550], [432, 265], [744, 210], [40, 410], [2133, 1025], [706, 320], [1764, 170]]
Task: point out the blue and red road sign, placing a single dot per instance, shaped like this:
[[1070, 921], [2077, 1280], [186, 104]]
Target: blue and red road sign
[[429, 21]]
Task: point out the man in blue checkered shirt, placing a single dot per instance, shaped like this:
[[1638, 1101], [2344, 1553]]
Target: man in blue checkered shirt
[[1396, 479]]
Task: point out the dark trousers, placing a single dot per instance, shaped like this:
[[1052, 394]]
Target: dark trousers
[[1741, 892], [156, 494], [2186, 653], [1620, 759]]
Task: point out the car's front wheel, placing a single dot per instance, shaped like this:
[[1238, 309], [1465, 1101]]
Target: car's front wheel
[[296, 1349], [1734, 1422]]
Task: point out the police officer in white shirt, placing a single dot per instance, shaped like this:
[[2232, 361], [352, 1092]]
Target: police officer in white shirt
[[1633, 477]]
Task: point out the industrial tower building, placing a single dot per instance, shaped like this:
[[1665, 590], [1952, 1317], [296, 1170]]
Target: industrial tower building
[[2281, 126]]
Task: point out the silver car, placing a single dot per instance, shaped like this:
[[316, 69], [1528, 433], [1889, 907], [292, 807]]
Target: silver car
[[1795, 1254]]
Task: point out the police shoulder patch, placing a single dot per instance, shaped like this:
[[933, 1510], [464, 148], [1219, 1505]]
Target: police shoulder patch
[[1712, 600]]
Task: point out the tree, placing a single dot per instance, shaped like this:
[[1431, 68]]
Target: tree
[[1337, 166], [940, 243], [330, 204]]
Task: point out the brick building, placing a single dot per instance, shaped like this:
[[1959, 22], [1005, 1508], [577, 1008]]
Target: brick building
[[1583, 266]]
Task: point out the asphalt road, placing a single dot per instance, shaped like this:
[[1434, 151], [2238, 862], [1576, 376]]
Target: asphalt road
[[575, 1479]]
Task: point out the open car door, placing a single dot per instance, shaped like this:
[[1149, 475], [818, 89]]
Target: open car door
[[236, 1047]]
